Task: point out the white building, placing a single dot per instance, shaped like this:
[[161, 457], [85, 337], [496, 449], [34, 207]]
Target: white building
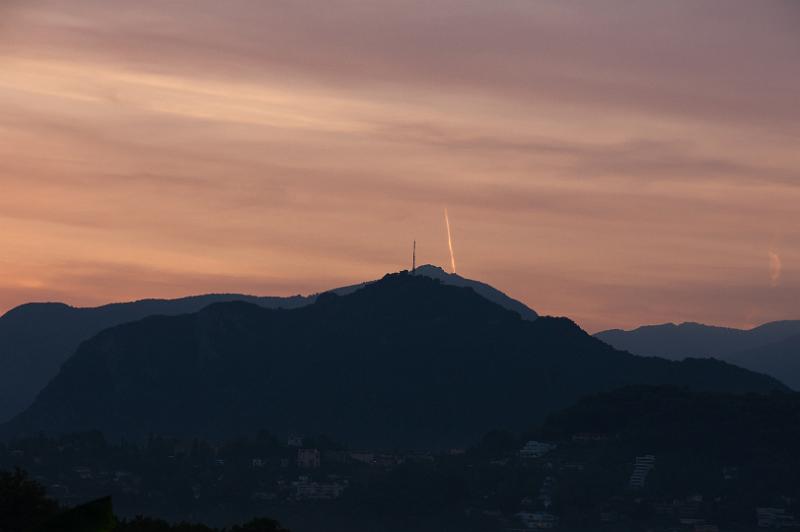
[[364, 457], [308, 458], [307, 489], [775, 518], [642, 466], [537, 520]]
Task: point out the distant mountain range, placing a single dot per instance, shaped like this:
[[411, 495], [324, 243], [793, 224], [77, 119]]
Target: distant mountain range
[[406, 361], [36, 338], [772, 348]]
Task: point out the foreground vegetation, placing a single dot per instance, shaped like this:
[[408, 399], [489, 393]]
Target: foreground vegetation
[[25, 507]]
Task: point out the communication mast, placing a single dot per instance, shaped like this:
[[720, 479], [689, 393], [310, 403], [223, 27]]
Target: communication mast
[[414, 258]]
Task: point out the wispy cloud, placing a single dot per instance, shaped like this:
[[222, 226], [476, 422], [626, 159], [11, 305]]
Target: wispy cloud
[[775, 268]]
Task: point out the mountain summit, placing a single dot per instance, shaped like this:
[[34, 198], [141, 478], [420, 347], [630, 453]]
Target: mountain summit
[[489, 292], [406, 361]]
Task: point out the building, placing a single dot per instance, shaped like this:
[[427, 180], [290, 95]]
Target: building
[[545, 497], [308, 458], [587, 437], [537, 520], [83, 472], [364, 457], [336, 457], [387, 461], [641, 468], [307, 489], [536, 449], [775, 518], [730, 472]]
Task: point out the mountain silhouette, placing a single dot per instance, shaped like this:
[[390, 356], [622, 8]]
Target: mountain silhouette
[[36, 338], [772, 348], [406, 361]]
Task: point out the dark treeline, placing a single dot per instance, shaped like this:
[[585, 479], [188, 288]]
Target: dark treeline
[[26, 507]]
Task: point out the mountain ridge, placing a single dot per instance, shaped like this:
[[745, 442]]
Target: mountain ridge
[[36, 338], [426, 365]]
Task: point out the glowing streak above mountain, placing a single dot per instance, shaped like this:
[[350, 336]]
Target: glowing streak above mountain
[[450, 241]]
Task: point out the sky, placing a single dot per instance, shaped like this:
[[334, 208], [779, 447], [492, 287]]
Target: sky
[[617, 162]]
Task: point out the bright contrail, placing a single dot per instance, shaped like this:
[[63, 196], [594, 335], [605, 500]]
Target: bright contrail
[[450, 241]]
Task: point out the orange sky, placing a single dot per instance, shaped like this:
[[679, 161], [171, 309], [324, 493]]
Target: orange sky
[[617, 162]]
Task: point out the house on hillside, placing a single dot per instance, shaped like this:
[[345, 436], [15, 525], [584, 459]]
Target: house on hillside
[[641, 468], [536, 449], [307, 489], [308, 458], [537, 520], [775, 518]]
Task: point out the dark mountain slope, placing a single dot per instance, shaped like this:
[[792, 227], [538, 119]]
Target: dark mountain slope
[[405, 361]]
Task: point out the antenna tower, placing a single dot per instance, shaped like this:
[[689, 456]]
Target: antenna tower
[[414, 258]]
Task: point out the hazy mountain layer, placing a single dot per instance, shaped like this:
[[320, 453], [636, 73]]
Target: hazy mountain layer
[[780, 359], [772, 348]]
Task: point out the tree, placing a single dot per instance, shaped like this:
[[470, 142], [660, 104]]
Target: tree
[[24, 505], [94, 516]]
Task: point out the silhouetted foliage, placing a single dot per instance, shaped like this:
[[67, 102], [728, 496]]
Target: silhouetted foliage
[[94, 516], [25, 507], [24, 504]]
